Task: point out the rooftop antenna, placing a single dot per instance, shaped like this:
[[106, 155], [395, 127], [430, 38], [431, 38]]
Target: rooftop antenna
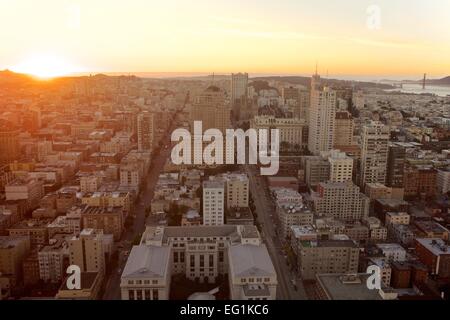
[[317, 67]]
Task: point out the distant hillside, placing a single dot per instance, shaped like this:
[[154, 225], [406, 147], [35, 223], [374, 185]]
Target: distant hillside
[[438, 82], [261, 85], [306, 81], [442, 82], [9, 78]]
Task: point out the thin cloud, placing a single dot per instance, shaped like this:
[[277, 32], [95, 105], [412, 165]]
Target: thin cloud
[[382, 44], [232, 20], [267, 35]]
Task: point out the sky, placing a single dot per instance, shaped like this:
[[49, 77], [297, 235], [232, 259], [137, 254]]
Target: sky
[[379, 38]]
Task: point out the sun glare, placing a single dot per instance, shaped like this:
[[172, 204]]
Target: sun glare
[[45, 66]]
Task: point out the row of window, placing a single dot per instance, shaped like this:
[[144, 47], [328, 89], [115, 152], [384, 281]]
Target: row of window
[[253, 280], [139, 282]]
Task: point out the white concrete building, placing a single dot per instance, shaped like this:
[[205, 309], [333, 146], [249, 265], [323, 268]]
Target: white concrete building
[[51, 260], [341, 200], [393, 251], [341, 166], [201, 253], [147, 274], [251, 274], [443, 180], [374, 153], [130, 176], [237, 190], [87, 251], [213, 203]]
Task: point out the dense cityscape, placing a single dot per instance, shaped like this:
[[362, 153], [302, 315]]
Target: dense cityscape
[[87, 180], [224, 159]]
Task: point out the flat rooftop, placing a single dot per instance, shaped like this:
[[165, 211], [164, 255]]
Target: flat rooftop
[[87, 281], [436, 246], [347, 287], [9, 242]]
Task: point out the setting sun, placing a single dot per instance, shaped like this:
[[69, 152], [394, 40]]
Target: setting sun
[[45, 66]]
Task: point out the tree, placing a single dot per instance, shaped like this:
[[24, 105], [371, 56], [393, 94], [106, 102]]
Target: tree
[[137, 240], [199, 192]]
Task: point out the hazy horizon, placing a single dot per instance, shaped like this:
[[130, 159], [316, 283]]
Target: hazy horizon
[[173, 75]]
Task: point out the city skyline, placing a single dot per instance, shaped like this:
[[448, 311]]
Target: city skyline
[[262, 37]]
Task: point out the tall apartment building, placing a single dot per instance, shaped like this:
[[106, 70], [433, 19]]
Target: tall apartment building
[[9, 142], [420, 180], [145, 131], [298, 101], [290, 93], [343, 134], [327, 257], [31, 272], [237, 190], [239, 92], [341, 200], [322, 118], [53, 260], [397, 154], [317, 170], [213, 203], [374, 154], [333, 166], [13, 251], [303, 108], [211, 108], [341, 166], [130, 175], [87, 251]]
